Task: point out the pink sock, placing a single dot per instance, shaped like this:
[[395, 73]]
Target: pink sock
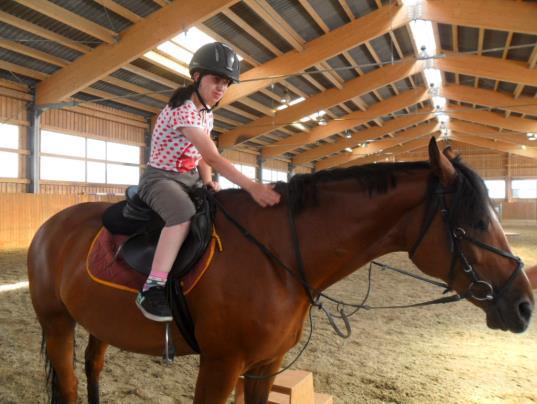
[[155, 278]]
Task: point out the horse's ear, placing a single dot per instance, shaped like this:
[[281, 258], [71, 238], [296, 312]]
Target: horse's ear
[[441, 165], [450, 154]]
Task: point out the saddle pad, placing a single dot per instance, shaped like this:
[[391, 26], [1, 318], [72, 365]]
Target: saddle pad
[[105, 268]]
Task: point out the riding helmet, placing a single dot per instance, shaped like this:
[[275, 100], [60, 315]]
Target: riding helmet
[[216, 58]]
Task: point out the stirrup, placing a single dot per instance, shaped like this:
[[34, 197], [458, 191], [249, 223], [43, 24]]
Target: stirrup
[[169, 348]]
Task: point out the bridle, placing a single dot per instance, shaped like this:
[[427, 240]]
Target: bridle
[[478, 289]]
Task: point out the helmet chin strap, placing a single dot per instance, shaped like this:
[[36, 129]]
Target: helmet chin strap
[[205, 107]]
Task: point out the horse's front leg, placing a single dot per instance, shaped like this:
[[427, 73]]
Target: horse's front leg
[[256, 391], [217, 378]]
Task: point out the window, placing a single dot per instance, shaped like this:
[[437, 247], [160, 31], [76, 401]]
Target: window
[[524, 189], [273, 175], [88, 160], [496, 188], [248, 171], [9, 161]]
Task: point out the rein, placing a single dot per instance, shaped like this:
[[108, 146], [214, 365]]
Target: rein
[[478, 289]]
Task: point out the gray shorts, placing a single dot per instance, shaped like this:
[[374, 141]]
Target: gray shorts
[[166, 193]]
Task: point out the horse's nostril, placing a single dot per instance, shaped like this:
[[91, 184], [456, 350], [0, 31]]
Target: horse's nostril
[[525, 309]]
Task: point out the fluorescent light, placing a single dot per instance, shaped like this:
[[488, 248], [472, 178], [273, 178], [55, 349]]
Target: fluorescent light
[[411, 2], [433, 77], [299, 126], [315, 115], [348, 149], [439, 102], [423, 34], [164, 61], [531, 136], [442, 118], [292, 102]]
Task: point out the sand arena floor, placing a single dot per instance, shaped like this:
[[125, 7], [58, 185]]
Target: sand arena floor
[[441, 354]]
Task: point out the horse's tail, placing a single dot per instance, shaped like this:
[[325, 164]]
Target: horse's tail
[[51, 377]]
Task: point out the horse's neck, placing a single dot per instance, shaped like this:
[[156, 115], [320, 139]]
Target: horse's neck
[[349, 229]]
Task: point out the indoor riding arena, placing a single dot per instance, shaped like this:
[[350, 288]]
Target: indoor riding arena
[[330, 92]]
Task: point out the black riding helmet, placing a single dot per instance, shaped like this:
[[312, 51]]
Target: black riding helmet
[[216, 58]]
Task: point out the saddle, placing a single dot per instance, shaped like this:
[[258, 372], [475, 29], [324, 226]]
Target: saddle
[[135, 219]]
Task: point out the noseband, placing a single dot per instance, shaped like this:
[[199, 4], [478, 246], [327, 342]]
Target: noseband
[[478, 289]]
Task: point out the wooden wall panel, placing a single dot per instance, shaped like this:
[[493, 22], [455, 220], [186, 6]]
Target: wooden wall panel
[[82, 124], [13, 111], [22, 214], [519, 210]]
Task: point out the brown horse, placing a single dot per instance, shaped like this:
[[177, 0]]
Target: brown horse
[[532, 276], [248, 312]]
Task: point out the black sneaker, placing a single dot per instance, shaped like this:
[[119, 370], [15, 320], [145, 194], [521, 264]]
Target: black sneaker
[[154, 305]]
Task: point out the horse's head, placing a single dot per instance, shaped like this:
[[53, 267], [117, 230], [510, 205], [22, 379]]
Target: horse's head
[[462, 242]]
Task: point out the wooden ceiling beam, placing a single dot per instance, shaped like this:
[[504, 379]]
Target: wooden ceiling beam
[[352, 88], [488, 67], [348, 36], [71, 19], [494, 145], [348, 159], [489, 98], [487, 132], [42, 32], [135, 41], [348, 121], [396, 124], [489, 14], [120, 10], [12, 67], [492, 119]]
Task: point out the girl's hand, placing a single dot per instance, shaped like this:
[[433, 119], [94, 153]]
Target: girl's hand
[[264, 194], [214, 185]]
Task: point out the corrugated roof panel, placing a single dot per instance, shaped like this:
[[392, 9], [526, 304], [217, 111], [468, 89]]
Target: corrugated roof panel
[[87, 97], [142, 82], [466, 80], [450, 77], [529, 91], [153, 68], [403, 85], [295, 15], [363, 58], [507, 87], [261, 26], [318, 77], [121, 92], [235, 35], [95, 13], [27, 62], [303, 84], [342, 67], [362, 7], [385, 92], [524, 53], [369, 99], [4, 74], [385, 48], [248, 109], [468, 39], [331, 12], [36, 42], [231, 115], [141, 7], [494, 39], [404, 41], [487, 84], [50, 24], [446, 37]]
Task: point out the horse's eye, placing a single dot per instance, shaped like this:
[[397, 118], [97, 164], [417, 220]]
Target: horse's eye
[[481, 225]]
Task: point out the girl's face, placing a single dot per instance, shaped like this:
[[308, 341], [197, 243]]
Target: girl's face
[[212, 88]]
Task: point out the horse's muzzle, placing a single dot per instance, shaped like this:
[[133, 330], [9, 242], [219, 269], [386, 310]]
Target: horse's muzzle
[[511, 314]]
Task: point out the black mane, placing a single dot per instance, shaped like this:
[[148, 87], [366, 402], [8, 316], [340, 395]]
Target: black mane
[[379, 178]]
